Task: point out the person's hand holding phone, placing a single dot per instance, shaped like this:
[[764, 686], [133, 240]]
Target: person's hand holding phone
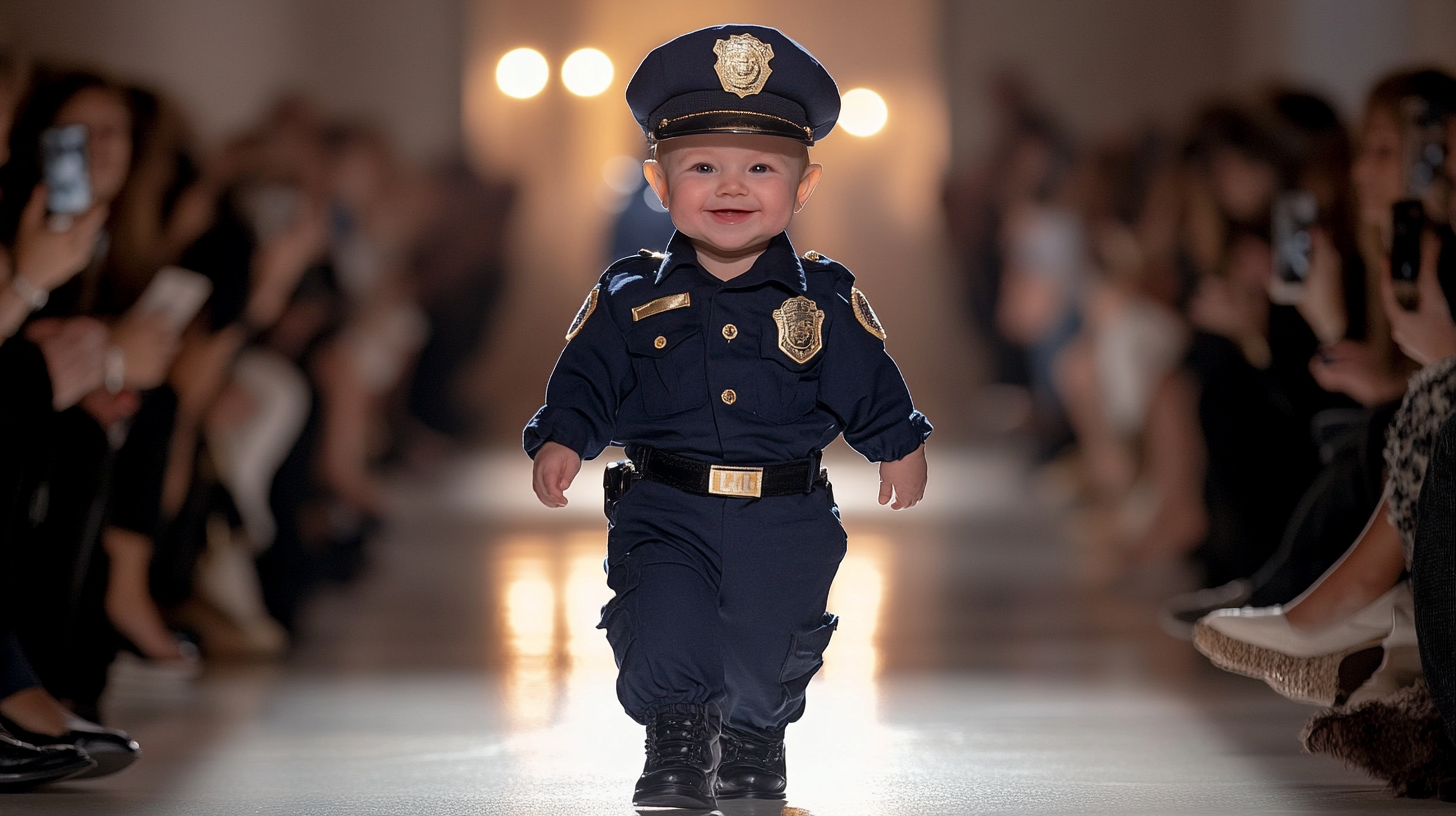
[[75, 354], [1353, 369], [279, 263], [47, 258], [1322, 303], [148, 345], [1427, 333]]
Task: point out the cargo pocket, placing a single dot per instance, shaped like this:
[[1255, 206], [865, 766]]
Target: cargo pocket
[[617, 614], [787, 390], [807, 654], [667, 357]]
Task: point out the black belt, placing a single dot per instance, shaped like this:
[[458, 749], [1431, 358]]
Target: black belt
[[736, 481]]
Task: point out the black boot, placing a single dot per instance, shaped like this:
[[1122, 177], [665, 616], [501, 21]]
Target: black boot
[[753, 767], [24, 766], [682, 751]]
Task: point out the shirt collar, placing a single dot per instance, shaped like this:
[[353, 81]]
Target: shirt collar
[[778, 262]]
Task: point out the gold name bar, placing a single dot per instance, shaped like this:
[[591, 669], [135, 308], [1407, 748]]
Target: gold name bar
[[663, 304]]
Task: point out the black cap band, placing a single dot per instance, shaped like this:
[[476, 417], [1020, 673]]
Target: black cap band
[[731, 121]]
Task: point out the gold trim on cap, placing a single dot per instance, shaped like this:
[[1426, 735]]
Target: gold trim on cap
[[808, 131], [681, 300]]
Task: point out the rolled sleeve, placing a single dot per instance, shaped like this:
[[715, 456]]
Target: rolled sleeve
[[863, 387]]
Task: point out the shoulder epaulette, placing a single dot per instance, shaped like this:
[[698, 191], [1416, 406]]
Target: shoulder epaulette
[[620, 264], [818, 262]]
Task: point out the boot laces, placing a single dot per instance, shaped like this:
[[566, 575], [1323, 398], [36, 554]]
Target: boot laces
[[677, 737], [763, 753]]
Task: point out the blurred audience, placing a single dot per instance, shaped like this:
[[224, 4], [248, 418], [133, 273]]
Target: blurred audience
[[1249, 391], [210, 361], [206, 366]]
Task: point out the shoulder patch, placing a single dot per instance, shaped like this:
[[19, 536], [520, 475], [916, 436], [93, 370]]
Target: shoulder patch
[[583, 313], [864, 314]]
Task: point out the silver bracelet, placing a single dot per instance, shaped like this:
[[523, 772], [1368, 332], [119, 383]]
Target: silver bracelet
[[115, 370], [34, 296]]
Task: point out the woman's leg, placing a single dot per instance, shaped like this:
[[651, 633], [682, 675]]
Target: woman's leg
[[22, 699], [1371, 567], [1175, 461], [129, 603]]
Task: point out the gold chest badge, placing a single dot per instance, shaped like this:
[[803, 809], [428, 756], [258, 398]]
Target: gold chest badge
[[743, 64], [800, 321]]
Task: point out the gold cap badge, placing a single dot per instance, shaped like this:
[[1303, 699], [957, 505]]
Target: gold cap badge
[[743, 64]]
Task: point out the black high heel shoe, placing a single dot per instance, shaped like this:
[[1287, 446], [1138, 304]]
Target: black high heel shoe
[[24, 766], [110, 749]]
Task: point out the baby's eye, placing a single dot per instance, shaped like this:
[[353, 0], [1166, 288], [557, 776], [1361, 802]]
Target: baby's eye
[[703, 168], [759, 168]]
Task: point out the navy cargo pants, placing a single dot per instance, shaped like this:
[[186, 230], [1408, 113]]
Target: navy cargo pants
[[720, 600]]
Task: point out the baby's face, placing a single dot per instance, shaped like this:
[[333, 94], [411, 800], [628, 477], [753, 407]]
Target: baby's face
[[732, 192]]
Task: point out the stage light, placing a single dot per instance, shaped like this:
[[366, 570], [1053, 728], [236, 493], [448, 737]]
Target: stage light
[[587, 72], [862, 112], [522, 73]]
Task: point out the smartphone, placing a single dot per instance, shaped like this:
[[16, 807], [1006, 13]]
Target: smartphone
[[1425, 186], [271, 209], [1408, 222], [67, 173], [175, 293], [1295, 214]]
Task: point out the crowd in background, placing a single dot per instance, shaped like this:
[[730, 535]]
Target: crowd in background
[[1258, 400], [172, 489], [175, 481]]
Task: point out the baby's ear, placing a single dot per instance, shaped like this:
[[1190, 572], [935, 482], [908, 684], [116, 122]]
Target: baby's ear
[[657, 178], [807, 183]]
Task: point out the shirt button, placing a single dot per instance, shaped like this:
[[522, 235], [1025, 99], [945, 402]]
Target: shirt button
[[729, 397], [660, 342], [730, 331]]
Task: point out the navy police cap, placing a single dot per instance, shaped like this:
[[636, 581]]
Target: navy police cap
[[733, 79]]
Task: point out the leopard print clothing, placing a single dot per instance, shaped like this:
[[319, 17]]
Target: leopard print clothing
[[1429, 400]]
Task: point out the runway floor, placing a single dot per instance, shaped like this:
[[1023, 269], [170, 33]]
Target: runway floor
[[972, 673]]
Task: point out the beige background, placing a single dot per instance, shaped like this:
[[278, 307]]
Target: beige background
[[424, 69]]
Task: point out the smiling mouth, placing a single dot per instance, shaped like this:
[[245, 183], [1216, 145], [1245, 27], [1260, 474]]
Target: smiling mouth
[[730, 216]]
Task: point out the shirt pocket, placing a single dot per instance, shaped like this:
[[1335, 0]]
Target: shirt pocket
[[668, 357], [786, 390]]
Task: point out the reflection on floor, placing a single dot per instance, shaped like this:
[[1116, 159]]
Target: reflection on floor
[[972, 673]]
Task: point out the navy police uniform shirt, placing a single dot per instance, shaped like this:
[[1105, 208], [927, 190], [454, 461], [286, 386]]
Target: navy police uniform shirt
[[767, 367]]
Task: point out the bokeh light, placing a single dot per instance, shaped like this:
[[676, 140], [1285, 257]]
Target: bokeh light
[[587, 72], [623, 174], [862, 112], [522, 73]]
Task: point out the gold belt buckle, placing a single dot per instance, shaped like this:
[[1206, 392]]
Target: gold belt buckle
[[740, 482]]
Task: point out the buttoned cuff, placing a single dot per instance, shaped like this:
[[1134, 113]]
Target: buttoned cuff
[[896, 442]]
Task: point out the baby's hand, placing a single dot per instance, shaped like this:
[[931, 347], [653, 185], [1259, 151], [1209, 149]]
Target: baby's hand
[[555, 468], [903, 480]]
